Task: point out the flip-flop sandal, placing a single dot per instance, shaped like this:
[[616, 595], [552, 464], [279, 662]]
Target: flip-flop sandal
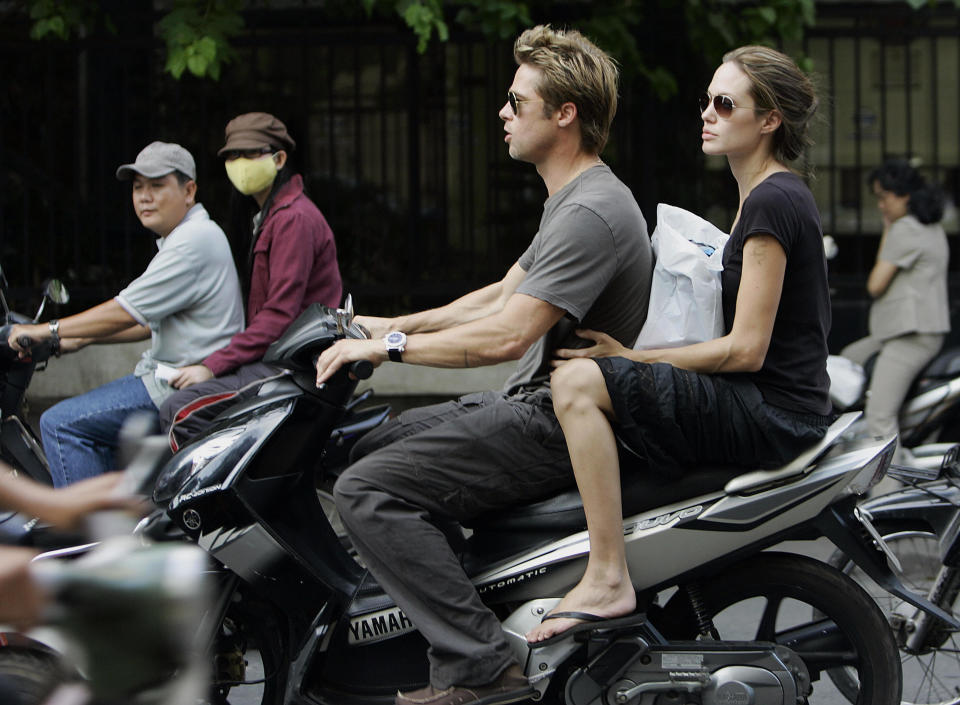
[[589, 623]]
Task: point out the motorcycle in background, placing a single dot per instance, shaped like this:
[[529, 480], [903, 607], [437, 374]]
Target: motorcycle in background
[[19, 444], [920, 524], [930, 415]]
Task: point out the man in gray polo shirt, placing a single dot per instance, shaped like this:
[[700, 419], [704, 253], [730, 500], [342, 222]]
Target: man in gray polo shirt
[[588, 266], [187, 301]]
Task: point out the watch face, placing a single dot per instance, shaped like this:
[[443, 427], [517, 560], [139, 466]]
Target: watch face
[[395, 338]]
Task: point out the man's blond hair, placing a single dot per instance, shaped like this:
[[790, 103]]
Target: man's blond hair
[[573, 70]]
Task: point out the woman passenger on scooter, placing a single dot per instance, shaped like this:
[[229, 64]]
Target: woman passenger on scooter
[[288, 260], [910, 314], [755, 397]]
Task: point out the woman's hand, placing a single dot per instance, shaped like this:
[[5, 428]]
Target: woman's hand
[[191, 374], [604, 346]]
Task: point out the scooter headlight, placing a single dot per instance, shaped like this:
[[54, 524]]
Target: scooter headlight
[[205, 465]]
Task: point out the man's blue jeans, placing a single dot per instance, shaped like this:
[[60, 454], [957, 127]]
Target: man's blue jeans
[[80, 434]]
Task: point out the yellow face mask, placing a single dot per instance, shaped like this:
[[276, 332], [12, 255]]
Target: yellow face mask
[[250, 176]]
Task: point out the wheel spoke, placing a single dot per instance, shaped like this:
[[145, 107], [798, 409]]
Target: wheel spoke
[[931, 677], [767, 627]]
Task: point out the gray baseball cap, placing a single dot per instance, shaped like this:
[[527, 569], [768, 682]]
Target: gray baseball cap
[[159, 159]]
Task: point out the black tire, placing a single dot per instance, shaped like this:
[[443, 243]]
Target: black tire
[[931, 677], [254, 633], [30, 675], [780, 590]]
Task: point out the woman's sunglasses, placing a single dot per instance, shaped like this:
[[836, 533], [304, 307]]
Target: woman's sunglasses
[[515, 102], [723, 104]]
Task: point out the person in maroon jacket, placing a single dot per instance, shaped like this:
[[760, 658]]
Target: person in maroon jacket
[[291, 262]]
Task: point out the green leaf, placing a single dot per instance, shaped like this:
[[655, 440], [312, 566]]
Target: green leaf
[[207, 48], [40, 29], [176, 63], [197, 65], [58, 27], [768, 14]]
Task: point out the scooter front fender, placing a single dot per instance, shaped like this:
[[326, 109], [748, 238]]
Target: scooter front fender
[[933, 504], [854, 536]]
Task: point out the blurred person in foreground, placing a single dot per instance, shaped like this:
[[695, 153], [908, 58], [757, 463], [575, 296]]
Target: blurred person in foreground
[[21, 599]]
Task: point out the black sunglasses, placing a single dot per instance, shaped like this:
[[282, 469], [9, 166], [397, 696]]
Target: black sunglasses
[[232, 154], [723, 104], [515, 102]]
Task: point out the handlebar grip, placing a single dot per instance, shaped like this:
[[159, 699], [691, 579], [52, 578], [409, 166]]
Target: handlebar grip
[[361, 369], [25, 341]]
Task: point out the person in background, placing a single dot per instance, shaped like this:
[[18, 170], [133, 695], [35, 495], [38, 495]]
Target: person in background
[[188, 302], [910, 313], [289, 262], [754, 397]]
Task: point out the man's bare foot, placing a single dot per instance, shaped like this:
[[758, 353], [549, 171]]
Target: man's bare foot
[[604, 600]]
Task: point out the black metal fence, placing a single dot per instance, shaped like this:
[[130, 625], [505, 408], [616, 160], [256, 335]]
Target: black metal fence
[[404, 154]]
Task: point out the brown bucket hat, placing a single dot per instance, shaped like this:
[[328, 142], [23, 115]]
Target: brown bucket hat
[[255, 131]]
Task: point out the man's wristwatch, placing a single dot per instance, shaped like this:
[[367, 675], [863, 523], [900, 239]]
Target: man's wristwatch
[[395, 342]]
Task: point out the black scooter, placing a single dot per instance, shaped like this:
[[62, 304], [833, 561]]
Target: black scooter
[[19, 444]]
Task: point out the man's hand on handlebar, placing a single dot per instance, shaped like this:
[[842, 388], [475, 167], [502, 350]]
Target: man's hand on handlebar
[[23, 337], [345, 352], [191, 374]]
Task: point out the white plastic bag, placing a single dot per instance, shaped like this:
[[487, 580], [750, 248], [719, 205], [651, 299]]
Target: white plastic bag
[[846, 381], [685, 295]]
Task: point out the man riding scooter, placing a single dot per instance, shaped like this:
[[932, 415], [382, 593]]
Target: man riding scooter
[[187, 301], [483, 451]]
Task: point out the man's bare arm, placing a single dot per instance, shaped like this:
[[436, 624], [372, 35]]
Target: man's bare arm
[[469, 307], [503, 336], [100, 322]]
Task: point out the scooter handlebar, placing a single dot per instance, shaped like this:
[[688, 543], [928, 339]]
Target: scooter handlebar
[[361, 369]]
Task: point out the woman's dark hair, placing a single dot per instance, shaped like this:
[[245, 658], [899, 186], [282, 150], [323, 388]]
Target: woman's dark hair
[[240, 212], [897, 176], [779, 84]]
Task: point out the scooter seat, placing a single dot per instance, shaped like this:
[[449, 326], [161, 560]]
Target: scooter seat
[[641, 490], [946, 364], [506, 532]]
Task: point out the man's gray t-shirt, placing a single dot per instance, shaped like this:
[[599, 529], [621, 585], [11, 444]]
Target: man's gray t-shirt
[[189, 296], [592, 258]]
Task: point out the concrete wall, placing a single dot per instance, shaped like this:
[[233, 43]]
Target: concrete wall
[[79, 372]]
